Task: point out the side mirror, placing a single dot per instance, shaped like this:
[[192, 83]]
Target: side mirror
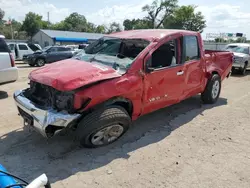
[[149, 67]]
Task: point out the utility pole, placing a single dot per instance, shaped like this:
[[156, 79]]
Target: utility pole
[[48, 18]]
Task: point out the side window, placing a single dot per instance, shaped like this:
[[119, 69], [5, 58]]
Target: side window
[[166, 55], [191, 48], [53, 49], [3, 46], [22, 47]]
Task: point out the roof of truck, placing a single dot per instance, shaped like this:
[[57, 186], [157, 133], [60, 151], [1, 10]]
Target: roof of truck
[[1, 36], [149, 34]]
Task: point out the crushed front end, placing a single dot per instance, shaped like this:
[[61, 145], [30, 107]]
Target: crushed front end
[[46, 109]]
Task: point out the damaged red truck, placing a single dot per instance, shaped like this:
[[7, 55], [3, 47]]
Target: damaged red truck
[[119, 78]]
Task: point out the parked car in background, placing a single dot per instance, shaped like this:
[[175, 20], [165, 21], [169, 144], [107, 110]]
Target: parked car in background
[[8, 70], [118, 79], [19, 50], [49, 54], [241, 56]]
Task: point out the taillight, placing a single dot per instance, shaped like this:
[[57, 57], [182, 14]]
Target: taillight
[[12, 60]]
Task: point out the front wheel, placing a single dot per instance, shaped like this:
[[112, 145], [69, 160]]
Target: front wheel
[[103, 126], [212, 91], [244, 69], [40, 62]]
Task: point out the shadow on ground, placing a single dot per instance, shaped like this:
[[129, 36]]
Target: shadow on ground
[[3, 95], [237, 73], [29, 155], [25, 66]]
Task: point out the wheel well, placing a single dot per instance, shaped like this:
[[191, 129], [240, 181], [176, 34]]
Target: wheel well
[[126, 105], [119, 101], [215, 72], [246, 62], [40, 58]]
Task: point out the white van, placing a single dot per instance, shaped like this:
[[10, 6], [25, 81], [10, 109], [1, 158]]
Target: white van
[[18, 50]]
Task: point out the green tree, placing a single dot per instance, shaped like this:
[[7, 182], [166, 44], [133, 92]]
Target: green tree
[[100, 29], [114, 27], [158, 11], [185, 18], [75, 22], [2, 13], [218, 40], [32, 23], [136, 24]]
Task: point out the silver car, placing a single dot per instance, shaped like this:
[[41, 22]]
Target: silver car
[[241, 56]]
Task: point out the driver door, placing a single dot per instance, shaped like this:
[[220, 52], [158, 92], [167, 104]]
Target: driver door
[[163, 82], [52, 54]]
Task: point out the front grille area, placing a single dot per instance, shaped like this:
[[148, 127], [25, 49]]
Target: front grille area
[[40, 94], [46, 96]]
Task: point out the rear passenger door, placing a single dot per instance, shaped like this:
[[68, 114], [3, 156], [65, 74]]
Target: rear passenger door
[[64, 53], [4, 55], [193, 66]]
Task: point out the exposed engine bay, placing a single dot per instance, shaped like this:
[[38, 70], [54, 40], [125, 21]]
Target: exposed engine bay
[[47, 97]]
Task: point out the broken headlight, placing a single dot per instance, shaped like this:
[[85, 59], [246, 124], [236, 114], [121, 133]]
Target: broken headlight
[[64, 101]]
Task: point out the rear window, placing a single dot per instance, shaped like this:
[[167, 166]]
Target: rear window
[[22, 47], [3, 46]]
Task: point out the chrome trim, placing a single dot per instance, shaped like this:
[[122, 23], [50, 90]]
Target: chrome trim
[[43, 117]]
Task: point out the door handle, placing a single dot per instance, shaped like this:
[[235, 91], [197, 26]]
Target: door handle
[[180, 73]]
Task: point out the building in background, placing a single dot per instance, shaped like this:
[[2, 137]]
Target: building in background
[[52, 37]]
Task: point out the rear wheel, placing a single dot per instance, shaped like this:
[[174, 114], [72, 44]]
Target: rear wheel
[[212, 91], [244, 69], [103, 127], [40, 62]]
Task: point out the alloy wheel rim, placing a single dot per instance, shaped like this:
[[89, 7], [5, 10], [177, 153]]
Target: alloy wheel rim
[[215, 89], [107, 135]]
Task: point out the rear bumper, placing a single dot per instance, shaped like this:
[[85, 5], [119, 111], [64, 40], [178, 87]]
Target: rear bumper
[[8, 75], [42, 119]]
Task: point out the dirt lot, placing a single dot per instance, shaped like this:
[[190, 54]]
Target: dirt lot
[[186, 145]]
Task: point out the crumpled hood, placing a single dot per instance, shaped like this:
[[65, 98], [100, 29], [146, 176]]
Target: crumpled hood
[[71, 74], [236, 54]]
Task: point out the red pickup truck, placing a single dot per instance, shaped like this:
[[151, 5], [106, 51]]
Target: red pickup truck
[[119, 78]]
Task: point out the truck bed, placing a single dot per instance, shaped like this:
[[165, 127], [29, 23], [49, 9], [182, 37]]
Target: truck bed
[[219, 60]]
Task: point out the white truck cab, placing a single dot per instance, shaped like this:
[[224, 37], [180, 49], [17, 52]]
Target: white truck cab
[[20, 49]]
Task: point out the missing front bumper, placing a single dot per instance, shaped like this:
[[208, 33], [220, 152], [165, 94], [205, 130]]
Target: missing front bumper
[[46, 121]]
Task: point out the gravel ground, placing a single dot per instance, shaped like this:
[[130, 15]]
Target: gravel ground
[[185, 145]]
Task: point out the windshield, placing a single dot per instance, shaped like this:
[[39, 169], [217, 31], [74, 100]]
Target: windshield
[[239, 49], [46, 48], [115, 52]]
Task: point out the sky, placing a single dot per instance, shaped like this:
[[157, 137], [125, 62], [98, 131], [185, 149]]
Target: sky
[[229, 16]]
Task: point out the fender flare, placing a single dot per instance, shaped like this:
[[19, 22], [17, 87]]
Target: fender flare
[[127, 104]]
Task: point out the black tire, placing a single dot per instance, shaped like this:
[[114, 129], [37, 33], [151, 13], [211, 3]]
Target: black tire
[[32, 65], [100, 119], [207, 96], [244, 69], [40, 62]]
